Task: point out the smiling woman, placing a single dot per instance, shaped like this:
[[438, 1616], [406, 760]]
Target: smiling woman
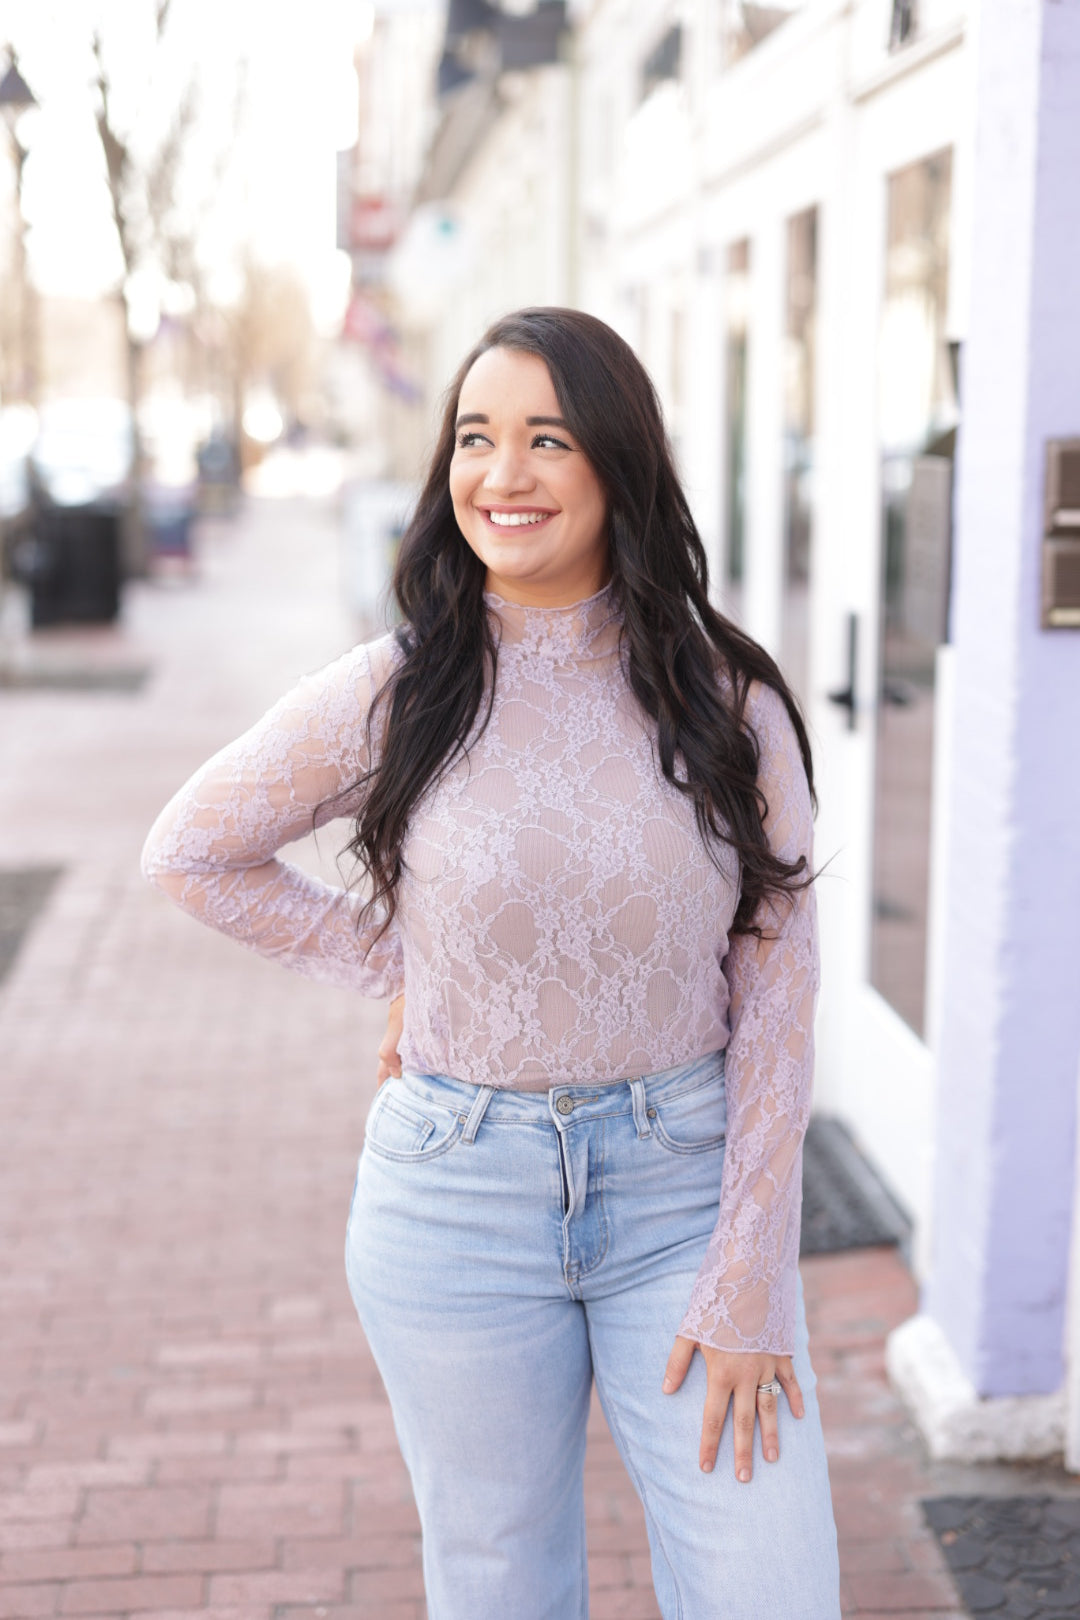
[[525, 497], [583, 802]]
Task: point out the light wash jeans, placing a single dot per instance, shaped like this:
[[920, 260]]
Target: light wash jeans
[[503, 1250]]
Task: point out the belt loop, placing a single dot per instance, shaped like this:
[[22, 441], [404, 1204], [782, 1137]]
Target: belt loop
[[477, 1112], [637, 1095]]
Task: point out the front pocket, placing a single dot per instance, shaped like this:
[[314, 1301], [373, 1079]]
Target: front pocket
[[398, 1128], [692, 1122]]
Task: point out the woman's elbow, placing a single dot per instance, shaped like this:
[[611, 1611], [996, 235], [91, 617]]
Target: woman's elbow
[[160, 865]]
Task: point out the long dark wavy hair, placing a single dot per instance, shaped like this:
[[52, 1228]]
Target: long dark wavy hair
[[674, 641]]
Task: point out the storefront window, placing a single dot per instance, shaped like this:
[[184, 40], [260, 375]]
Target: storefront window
[[799, 372], [736, 315], [917, 412]]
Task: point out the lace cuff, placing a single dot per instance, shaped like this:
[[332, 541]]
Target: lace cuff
[[213, 848], [744, 1296]]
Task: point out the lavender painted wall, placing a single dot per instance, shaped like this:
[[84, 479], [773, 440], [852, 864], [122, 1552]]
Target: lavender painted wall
[[1010, 1037]]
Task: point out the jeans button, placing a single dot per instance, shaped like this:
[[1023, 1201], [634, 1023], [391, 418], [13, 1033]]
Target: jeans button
[[565, 1105]]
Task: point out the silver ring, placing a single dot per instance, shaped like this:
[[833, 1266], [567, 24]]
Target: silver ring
[[773, 1387]]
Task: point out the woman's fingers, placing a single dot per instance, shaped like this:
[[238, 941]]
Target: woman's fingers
[[389, 1062], [678, 1364], [732, 1381], [745, 1405], [768, 1407], [717, 1399], [766, 1411], [384, 1072], [786, 1374]]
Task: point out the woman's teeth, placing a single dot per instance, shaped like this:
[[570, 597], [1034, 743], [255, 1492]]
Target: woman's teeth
[[510, 520]]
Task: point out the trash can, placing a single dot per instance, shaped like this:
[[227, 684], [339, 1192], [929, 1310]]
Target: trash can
[[71, 563]]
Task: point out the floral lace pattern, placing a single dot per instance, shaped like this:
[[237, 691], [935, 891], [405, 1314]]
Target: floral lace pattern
[[213, 847], [559, 917]]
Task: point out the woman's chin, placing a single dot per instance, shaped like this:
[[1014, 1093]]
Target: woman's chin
[[518, 570]]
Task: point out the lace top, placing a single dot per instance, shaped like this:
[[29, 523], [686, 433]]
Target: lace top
[[559, 916]]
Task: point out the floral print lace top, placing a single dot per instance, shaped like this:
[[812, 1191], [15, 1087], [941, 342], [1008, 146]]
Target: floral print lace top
[[559, 917]]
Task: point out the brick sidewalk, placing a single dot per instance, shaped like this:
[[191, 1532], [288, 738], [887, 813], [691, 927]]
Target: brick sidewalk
[[190, 1424]]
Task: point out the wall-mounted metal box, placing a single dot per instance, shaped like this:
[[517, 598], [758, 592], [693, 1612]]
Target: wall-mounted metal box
[[1061, 536]]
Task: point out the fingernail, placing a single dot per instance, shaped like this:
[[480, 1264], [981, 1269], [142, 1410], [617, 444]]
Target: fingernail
[[706, 1467], [770, 1455], [744, 1476], [668, 1386]]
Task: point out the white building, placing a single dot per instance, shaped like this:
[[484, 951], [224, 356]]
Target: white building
[[820, 224], [395, 61]]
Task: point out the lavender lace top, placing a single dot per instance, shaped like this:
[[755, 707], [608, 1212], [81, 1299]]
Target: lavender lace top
[[559, 916]]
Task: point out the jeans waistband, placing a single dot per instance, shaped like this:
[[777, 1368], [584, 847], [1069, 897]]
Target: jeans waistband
[[565, 1105]]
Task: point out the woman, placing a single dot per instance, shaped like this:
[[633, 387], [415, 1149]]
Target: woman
[[582, 803]]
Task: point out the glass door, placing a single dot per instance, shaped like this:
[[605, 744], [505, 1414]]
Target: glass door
[[918, 417], [799, 385], [736, 316]]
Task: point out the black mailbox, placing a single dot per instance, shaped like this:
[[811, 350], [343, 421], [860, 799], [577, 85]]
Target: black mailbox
[[1061, 537]]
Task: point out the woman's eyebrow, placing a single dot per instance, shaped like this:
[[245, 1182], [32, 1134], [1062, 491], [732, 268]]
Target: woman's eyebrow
[[530, 421]]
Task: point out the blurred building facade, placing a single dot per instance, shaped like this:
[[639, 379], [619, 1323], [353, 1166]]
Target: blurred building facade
[[839, 235], [385, 350]]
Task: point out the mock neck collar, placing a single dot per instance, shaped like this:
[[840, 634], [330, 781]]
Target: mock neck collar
[[585, 629]]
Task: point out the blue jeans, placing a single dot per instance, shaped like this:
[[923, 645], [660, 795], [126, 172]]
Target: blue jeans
[[506, 1248]]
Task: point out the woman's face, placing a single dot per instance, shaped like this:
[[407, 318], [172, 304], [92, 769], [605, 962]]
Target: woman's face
[[525, 498]]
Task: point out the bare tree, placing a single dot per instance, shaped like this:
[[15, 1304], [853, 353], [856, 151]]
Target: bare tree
[[155, 234], [270, 337], [19, 334]]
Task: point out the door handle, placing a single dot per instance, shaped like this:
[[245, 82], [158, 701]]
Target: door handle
[[845, 697]]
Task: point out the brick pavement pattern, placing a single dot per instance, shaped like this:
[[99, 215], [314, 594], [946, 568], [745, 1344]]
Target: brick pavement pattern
[[190, 1424]]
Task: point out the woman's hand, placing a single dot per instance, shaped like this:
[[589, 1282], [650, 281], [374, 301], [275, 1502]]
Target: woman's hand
[[733, 1379], [389, 1062]]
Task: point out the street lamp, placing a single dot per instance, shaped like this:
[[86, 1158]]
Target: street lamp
[[16, 100]]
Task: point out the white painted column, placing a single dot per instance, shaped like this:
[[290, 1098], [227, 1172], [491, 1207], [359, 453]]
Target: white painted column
[[993, 1327]]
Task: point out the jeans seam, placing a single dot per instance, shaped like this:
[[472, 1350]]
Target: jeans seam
[[587, 1271], [411, 1117], [639, 1485], [442, 1146], [687, 1150]]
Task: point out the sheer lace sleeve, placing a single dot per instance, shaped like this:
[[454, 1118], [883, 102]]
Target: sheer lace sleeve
[[213, 848], [744, 1295]]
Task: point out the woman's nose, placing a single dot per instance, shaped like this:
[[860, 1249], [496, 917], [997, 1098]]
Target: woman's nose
[[507, 472]]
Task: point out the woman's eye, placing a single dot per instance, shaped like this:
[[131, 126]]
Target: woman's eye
[[468, 440]]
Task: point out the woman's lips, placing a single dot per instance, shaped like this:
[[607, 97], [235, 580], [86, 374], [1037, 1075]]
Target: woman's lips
[[515, 518]]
